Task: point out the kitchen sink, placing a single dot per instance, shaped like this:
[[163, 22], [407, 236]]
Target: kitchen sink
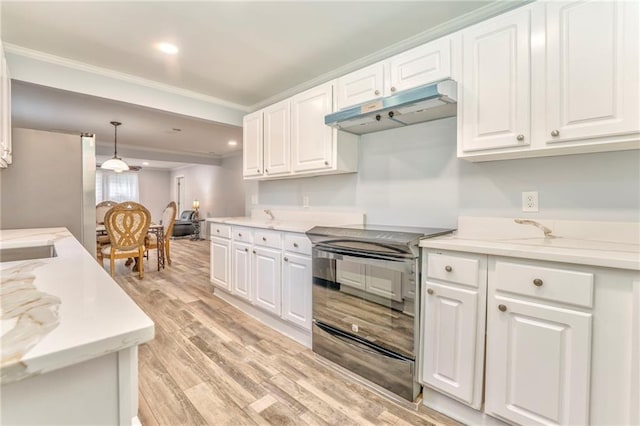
[[27, 253]]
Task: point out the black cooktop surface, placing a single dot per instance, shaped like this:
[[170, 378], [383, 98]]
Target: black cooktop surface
[[387, 233]]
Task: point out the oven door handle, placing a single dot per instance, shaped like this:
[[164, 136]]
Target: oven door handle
[[357, 343]]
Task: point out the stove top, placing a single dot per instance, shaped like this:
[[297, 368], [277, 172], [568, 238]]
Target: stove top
[[378, 233]]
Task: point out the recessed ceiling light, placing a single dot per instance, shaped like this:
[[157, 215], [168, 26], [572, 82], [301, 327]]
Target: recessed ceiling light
[[232, 143], [145, 163], [168, 48]]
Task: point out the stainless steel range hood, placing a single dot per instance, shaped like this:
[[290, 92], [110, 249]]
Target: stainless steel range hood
[[424, 103]]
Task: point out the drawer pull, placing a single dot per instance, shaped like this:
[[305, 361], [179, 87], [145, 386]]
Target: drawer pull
[[295, 245], [254, 252], [286, 259], [502, 308], [448, 268], [537, 282], [430, 290], [264, 239], [239, 234], [218, 231], [246, 249]]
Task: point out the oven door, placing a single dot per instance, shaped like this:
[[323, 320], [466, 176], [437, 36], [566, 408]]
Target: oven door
[[373, 298]]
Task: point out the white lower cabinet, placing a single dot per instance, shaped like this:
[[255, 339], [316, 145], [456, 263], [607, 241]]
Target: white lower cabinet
[[266, 276], [453, 324], [538, 362], [269, 271], [241, 270], [296, 289], [220, 262]]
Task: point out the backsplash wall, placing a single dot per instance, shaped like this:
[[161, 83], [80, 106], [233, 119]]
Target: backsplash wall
[[411, 176]]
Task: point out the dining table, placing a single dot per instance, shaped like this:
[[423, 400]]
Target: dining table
[[158, 230]]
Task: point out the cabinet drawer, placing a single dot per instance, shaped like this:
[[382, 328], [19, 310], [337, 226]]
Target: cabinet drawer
[[268, 239], [453, 269], [297, 244], [557, 285], [220, 230], [242, 234]]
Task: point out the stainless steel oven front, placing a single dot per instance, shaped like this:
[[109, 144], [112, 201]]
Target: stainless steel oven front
[[365, 311]]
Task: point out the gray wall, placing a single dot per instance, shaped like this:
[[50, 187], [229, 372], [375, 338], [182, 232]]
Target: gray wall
[[220, 189], [411, 176], [43, 186], [155, 191]]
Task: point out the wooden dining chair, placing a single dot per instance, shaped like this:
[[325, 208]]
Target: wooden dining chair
[[102, 240], [168, 220], [127, 225]]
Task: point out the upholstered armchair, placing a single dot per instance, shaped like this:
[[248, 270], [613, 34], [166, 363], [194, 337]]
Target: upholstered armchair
[[184, 224]]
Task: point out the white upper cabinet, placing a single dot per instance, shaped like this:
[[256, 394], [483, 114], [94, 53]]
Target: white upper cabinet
[[361, 86], [5, 112], [277, 139], [312, 142], [421, 65], [592, 70], [252, 139], [495, 101]]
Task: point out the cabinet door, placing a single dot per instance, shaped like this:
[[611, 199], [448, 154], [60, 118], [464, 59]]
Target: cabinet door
[[252, 138], [422, 65], [592, 69], [361, 86], [351, 274], [277, 139], [241, 270], [220, 265], [266, 274], [312, 142], [296, 290], [450, 324], [384, 282], [538, 363], [495, 103]]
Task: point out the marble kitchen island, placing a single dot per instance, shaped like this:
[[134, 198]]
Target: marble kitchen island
[[69, 335]]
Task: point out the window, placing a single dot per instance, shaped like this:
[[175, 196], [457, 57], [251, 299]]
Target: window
[[117, 187]]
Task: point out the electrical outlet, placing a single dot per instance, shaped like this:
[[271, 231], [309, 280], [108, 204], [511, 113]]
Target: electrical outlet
[[530, 201], [305, 201], [254, 199]]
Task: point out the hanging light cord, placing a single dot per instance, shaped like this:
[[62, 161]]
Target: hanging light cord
[[115, 141]]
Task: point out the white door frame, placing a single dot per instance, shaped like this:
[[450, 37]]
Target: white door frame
[[179, 182]]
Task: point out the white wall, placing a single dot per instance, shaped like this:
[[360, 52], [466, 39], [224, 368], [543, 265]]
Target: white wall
[[411, 176], [219, 189], [155, 191]]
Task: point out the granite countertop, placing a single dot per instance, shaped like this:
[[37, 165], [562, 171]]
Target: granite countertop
[[61, 310], [606, 244]]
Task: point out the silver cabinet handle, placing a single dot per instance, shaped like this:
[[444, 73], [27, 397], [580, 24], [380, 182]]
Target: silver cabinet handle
[[448, 268], [502, 308], [520, 138], [538, 282], [326, 163], [555, 133], [393, 89], [430, 291], [286, 259], [253, 251], [377, 92], [239, 234], [218, 231], [246, 249], [264, 239], [295, 245]]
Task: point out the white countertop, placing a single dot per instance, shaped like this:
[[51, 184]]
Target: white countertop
[[62, 310], [291, 220], [607, 244]]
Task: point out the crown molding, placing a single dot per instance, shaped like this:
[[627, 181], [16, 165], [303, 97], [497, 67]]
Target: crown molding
[[485, 12], [116, 75]]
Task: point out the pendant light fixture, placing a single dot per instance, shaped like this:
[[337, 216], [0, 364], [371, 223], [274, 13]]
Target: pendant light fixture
[[116, 164]]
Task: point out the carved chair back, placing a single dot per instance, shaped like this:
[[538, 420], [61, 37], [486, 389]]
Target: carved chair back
[[127, 224]]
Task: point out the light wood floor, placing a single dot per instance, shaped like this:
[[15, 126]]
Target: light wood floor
[[211, 364]]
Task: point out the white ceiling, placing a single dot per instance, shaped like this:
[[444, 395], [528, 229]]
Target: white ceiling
[[240, 52]]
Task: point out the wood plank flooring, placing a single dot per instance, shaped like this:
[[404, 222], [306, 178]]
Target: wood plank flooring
[[210, 364]]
